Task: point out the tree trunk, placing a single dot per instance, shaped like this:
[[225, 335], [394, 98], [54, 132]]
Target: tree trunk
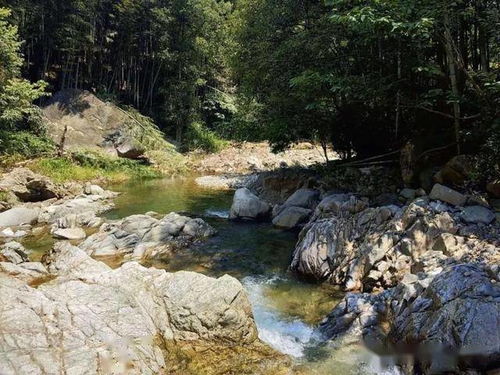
[[452, 71]]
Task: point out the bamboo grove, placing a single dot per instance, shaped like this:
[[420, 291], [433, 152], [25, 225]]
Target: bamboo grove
[[365, 76]]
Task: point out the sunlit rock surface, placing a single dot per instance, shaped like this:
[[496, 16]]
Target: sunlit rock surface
[[92, 319]]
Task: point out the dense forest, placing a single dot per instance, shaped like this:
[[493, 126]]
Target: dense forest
[[362, 76]]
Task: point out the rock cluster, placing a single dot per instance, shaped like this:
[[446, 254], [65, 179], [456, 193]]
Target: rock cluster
[[84, 318], [364, 248], [431, 323], [143, 236], [66, 208], [433, 265], [294, 212], [27, 186]]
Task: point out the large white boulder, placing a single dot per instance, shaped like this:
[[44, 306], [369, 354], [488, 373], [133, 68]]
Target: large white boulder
[[247, 205], [91, 319]]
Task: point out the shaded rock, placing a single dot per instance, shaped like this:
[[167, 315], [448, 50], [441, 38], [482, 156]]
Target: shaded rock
[[18, 216], [457, 315], [30, 187], [13, 252], [277, 186], [81, 119], [457, 171], [493, 188], [445, 194], [305, 198], [477, 215], [448, 319], [408, 194], [386, 199], [291, 217], [247, 205], [70, 233]]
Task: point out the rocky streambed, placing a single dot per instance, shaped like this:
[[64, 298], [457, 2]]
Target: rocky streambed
[[156, 279]]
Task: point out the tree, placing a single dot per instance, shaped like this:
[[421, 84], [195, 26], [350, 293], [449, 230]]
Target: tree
[[16, 94]]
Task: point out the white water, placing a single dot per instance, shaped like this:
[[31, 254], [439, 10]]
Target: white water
[[285, 335], [217, 213], [292, 336]]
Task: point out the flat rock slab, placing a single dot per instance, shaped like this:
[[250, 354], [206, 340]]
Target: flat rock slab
[[18, 216], [70, 234], [445, 194]]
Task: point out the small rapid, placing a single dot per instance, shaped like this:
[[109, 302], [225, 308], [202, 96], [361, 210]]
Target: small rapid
[[289, 336], [286, 311]]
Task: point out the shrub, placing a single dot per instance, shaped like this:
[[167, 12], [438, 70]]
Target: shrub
[[25, 144], [198, 137]]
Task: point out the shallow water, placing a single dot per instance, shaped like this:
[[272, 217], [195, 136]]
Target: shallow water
[[286, 310]]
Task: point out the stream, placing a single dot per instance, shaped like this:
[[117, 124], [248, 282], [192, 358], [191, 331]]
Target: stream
[[286, 310]]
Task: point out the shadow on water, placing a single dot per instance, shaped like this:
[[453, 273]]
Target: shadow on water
[[286, 310]]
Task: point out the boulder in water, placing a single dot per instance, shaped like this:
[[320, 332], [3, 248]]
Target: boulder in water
[[292, 217], [247, 205], [129, 320], [18, 216]]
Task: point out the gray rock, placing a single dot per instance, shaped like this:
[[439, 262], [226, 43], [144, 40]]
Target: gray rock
[[247, 205], [146, 235], [26, 272], [91, 189], [452, 313], [291, 217], [82, 206], [198, 228], [305, 198], [30, 187], [91, 319], [477, 215], [408, 194], [445, 194], [13, 252], [18, 216], [70, 234], [10, 233]]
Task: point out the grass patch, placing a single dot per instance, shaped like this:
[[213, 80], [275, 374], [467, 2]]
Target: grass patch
[[198, 137], [92, 165]]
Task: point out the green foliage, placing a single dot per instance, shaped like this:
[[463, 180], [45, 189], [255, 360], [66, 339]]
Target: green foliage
[[16, 95], [25, 144], [245, 122], [88, 165], [366, 76], [198, 137]]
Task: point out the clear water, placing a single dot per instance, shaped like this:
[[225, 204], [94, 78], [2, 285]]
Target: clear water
[[286, 310]]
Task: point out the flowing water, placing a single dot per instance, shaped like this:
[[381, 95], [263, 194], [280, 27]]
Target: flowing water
[[286, 310]]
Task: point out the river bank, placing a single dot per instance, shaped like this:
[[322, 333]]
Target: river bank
[[286, 311]]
